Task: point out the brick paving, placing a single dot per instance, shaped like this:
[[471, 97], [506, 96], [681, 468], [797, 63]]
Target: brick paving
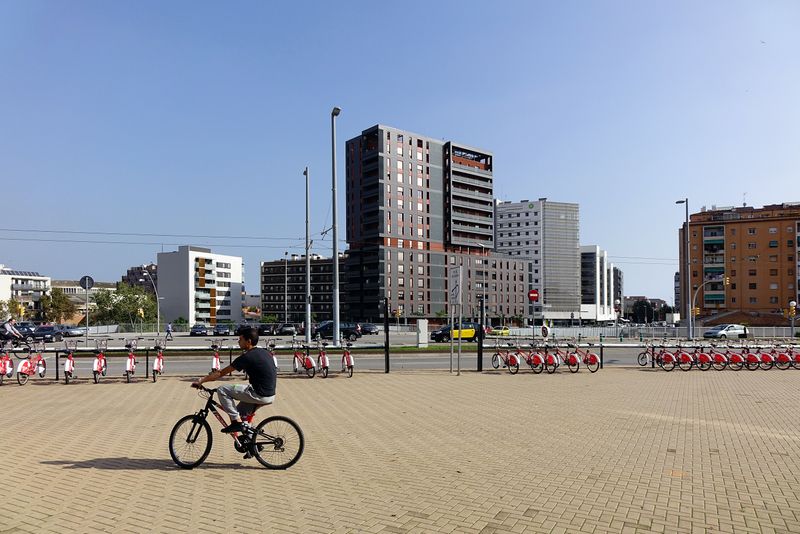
[[623, 450]]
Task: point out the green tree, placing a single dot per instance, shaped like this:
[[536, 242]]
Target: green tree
[[56, 307], [643, 312], [15, 308], [271, 318], [3, 309], [123, 305]]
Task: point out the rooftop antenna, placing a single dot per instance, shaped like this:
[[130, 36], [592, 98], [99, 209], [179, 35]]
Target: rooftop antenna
[[744, 199]]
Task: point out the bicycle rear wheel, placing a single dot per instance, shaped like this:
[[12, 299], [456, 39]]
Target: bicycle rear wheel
[[349, 371], [496, 360], [278, 442], [190, 441], [642, 358]]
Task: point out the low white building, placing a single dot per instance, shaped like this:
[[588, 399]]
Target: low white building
[[199, 286], [26, 287]]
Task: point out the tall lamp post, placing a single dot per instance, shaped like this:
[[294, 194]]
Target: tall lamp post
[[285, 286], [336, 332], [792, 313], [307, 328], [158, 302], [688, 291]]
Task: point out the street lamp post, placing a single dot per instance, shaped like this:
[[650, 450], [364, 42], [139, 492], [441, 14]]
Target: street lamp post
[[793, 312], [158, 303], [307, 328], [336, 332], [688, 292], [285, 286]]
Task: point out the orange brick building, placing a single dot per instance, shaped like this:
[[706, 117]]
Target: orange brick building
[[755, 249]]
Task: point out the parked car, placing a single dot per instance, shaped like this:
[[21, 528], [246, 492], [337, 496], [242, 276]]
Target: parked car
[[199, 330], [286, 329], [725, 331], [500, 331], [223, 329], [74, 331], [48, 333], [349, 331], [369, 328], [266, 329], [466, 331]]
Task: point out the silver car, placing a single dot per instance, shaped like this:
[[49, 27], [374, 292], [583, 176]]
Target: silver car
[[725, 331]]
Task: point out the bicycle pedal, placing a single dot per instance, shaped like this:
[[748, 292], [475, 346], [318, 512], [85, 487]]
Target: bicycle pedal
[[247, 456]]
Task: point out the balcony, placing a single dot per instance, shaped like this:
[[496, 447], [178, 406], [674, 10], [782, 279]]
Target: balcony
[[483, 184], [461, 203], [714, 259], [472, 229]]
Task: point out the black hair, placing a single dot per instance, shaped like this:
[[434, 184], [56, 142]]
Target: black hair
[[250, 333]]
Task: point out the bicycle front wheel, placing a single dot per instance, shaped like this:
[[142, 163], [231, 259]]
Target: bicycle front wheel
[[278, 442], [496, 361], [190, 441], [642, 358], [349, 371]]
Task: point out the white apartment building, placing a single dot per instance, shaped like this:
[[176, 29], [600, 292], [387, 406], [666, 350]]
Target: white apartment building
[[26, 287], [200, 286], [597, 285], [547, 234]]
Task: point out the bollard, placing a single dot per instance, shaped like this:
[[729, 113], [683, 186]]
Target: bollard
[[641, 337], [601, 339], [147, 362], [653, 358], [579, 337], [601, 355], [56, 366], [620, 336]]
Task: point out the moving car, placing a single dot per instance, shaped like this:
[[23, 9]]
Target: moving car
[[369, 328], [349, 331], [48, 333], [73, 331], [199, 330], [500, 331], [286, 329], [223, 329], [465, 331], [724, 331]]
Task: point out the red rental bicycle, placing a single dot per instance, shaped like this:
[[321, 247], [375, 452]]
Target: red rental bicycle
[[34, 364], [69, 361], [158, 363], [506, 358], [302, 361], [348, 363], [99, 365], [6, 363]]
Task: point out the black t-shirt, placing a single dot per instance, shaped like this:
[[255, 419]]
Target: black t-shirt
[[260, 369]]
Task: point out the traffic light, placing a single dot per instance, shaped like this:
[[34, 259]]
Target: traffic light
[[727, 280], [696, 311], [792, 308]]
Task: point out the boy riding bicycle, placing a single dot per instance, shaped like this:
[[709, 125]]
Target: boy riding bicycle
[[261, 373]]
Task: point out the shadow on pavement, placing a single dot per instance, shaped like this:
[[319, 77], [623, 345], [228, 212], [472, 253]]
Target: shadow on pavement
[[153, 464]]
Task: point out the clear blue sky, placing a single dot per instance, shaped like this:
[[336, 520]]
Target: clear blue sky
[[198, 117]]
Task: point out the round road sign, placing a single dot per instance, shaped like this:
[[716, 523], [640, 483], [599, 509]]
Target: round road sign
[[533, 295], [87, 282]]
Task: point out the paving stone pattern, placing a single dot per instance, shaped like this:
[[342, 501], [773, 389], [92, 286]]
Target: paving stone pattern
[[623, 450]]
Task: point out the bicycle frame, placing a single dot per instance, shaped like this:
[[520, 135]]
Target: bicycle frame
[[215, 358], [6, 364], [323, 362], [303, 361], [348, 363]]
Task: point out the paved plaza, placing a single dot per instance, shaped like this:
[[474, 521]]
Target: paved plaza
[[622, 450]]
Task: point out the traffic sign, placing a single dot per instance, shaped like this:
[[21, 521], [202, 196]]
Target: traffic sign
[[454, 276], [533, 295], [87, 282]]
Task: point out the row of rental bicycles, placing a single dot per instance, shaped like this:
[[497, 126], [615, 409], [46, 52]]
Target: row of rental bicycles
[[544, 357], [721, 357], [31, 362]]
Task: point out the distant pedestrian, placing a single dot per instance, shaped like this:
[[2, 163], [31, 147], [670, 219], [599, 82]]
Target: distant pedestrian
[[169, 332]]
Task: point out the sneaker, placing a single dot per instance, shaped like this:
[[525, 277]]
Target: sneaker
[[233, 427]]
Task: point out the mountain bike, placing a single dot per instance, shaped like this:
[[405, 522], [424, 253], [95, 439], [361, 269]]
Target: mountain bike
[[99, 365], [276, 442], [158, 363], [34, 364], [69, 362], [347, 360]]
